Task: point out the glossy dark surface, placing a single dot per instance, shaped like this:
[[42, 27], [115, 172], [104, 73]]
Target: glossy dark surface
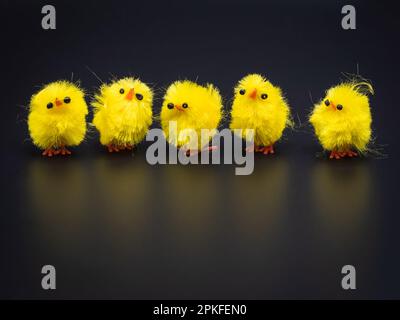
[[116, 227]]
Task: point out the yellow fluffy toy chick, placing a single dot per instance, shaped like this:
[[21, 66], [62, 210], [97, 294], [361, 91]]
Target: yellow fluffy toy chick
[[191, 107], [57, 118], [342, 120], [260, 106], [123, 113]]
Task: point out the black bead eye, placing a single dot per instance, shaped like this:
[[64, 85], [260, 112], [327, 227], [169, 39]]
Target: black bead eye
[[67, 99], [264, 96], [242, 92], [339, 107], [327, 103], [121, 91], [185, 105], [49, 105], [170, 105], [139, 96]]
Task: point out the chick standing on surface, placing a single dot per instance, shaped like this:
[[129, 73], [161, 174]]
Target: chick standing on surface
[[342, 120], [193, 107], [57, 118], [260, 106], [123, 113]]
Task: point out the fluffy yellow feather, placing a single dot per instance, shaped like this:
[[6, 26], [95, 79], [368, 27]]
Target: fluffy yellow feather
[[342, 120], [57, 117], [192, 107], [123, 113], [259, 105]]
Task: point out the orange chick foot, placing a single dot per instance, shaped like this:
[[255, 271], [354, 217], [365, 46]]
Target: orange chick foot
[[128, 147], [250, 149], [336, 155], [211, 148], [351, 154], [342, 154], [266, 150], [63, 151], [117, 148], [112, 148], [49, 152]]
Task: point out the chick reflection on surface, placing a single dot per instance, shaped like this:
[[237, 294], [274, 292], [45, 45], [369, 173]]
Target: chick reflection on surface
[[190, 199], [122, 195], [343, 197], [259, 200], [56, 193]]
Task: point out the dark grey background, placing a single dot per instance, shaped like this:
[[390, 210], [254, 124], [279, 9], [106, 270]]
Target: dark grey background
[[116, 227]]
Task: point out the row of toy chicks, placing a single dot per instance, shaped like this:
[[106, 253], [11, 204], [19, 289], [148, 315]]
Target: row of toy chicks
[[123, 115]]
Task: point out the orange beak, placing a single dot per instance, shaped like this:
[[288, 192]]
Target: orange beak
[[179, 107], [333, 106], [58, 102], [253, 94], [129, 95]]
